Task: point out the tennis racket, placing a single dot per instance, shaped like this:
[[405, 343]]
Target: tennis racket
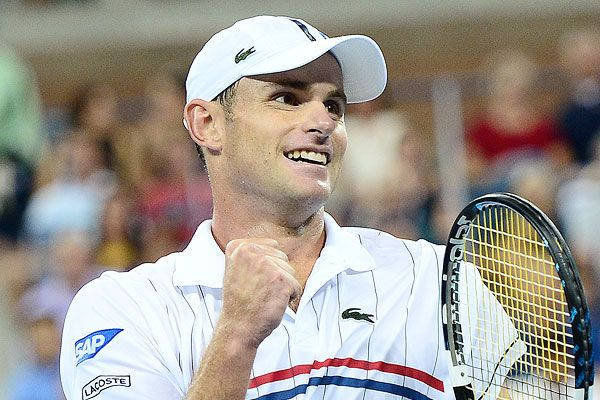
[[516, 322]]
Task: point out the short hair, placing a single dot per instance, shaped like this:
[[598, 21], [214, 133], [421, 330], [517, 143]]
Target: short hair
[[225, 98]]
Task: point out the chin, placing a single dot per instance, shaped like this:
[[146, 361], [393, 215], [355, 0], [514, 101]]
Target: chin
[[308, 200], [317, 190]]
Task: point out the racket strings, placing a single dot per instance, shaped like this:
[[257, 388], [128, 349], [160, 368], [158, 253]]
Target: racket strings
[[506, 286], [534, 346], [515, 265], [516, 386], [512, 252]]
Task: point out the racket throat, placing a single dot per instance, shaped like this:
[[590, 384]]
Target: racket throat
[[464, 392], [462, 382]]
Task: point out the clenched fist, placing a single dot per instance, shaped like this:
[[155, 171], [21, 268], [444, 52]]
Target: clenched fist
[[258, 284]]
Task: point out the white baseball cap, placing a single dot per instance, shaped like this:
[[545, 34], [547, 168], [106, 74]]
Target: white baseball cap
[[267, 44]]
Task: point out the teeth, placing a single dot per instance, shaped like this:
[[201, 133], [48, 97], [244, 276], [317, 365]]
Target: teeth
[[313, 156], [321, 158]]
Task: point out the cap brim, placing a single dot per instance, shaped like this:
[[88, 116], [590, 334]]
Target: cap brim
[[361, 60]]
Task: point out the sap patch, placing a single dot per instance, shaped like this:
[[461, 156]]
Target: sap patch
[[89, 346]]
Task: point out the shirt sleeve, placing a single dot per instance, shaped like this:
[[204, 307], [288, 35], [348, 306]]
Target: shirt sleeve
[[108, 351]]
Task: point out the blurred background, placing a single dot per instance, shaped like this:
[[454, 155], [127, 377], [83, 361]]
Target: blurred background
[[97, 171]]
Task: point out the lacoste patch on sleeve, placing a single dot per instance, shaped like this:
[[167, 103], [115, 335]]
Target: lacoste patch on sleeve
[[103, 382]]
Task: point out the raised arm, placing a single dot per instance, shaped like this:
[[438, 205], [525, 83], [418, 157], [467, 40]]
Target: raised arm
[[258, 285]]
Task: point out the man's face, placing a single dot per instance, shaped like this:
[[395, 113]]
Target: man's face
[[285, 138]]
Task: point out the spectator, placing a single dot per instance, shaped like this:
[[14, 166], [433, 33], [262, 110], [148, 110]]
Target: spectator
[[373, 147], [159, 163], [20, 131], [404, 196], [580, 117], [578, 202], [68, 268], [15, 264], [21, 141], [74, 199], [512, 125], [173, 201], [38, 377], [437, 220], [40, 312], [140, 148], [578, 207], [116, 249], [95, 114], [537, 181]]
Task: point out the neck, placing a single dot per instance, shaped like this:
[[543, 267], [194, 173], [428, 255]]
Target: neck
[[301, 238]]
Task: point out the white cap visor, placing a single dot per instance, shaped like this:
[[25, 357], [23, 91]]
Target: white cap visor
[[363, 66]]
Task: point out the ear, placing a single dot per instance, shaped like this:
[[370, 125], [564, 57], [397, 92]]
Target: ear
[[204, 121]]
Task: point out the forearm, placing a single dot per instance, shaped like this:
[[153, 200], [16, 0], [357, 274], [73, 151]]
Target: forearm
[[225, 369], [257, 287]]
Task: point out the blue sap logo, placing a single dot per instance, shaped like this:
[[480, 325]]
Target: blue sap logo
[[90, 345]]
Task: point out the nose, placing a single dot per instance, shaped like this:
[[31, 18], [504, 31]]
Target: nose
[[318, 120]]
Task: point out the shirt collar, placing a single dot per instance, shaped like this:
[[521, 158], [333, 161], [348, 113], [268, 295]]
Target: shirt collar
[[344, 247], [202, 262]]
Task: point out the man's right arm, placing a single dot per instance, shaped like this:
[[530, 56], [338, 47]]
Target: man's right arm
[[225, 369], [258, 285]]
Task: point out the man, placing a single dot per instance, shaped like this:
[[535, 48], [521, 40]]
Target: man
[[580, 116], [271, 299]]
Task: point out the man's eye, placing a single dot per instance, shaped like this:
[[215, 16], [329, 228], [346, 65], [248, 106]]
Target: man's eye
[[287, 98], [334, 107]]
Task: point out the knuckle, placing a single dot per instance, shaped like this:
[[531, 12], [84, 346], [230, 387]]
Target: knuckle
[[243, 250], [255, 247], [277, 276], [231, 246]]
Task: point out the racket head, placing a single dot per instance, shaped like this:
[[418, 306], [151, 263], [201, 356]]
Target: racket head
[[487, 223]]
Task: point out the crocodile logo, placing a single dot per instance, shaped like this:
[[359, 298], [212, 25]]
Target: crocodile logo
[[355, 313], [243, 54]]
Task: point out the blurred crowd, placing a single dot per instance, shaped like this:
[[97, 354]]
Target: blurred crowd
[[109, 182]]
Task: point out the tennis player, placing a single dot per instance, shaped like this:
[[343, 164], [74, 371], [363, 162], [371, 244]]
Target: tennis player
[[271, 299]]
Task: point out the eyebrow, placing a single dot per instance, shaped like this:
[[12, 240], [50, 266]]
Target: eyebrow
[[302, 85]]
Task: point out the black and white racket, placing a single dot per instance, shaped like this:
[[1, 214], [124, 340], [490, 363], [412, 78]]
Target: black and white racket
[[516, 320]]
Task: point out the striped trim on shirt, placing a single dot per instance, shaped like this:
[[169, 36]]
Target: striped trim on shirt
[[372, 384]]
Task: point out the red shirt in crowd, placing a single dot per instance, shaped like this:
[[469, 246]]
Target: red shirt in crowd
[[493, 142]]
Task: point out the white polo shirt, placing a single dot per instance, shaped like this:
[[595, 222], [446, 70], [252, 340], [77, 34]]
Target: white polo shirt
[[368, 325]]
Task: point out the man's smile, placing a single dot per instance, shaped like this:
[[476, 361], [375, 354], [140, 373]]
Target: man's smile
[[308, 156]]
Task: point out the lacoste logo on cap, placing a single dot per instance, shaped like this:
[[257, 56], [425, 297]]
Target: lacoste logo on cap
[[355, 314], [243, 54]]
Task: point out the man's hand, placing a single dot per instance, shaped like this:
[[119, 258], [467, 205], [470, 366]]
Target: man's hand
[[257, 287], [259, 283]]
